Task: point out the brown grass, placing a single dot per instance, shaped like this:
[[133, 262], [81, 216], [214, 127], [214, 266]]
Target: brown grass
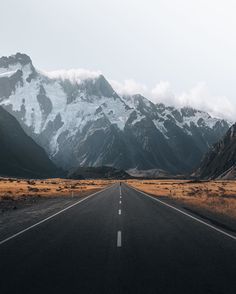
[[16, 188], [215, 196]]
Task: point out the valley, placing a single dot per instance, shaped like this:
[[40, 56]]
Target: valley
[[117, 147]]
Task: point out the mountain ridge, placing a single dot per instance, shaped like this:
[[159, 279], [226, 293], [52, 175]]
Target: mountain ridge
[[20, 156], [86, 123]]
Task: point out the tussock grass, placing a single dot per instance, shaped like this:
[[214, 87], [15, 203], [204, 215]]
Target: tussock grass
[[215, 196], [13, 189]]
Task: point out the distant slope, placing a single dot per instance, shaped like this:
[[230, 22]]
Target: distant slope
[[220, 161], [149, 174], [20, 156], [103, 172]]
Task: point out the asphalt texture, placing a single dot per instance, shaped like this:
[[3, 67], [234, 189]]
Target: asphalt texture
[[112, 243]]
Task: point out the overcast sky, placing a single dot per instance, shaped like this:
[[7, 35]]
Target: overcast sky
[[178, 51]]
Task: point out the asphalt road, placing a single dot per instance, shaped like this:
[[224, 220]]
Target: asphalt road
[[119, 244]]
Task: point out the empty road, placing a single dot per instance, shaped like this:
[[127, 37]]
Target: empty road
[[119, 241]]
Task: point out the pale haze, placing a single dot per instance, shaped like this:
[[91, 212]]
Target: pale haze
[[179, 52]]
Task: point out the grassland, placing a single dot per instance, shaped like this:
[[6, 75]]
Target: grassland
[[213, 196], [17, 188], [217, 197]]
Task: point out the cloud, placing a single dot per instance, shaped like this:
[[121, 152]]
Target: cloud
[[198, 97], [74, 75], [129, 87], [162, 92]]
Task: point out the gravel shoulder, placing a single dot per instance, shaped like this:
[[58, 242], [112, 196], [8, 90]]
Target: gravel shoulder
[[16, 215]]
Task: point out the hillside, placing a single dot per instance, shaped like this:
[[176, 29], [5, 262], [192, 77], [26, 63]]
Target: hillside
[[20, 156], [220, 161]]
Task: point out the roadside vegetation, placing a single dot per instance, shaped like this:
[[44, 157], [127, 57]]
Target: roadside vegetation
[[14, 189], [213, 196]]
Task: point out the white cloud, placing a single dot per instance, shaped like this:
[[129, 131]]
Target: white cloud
[[129, 87], [162, 92], [74, 75], [198, 97]]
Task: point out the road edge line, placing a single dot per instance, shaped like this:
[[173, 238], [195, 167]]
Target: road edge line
[[186, 214], [51, 216]]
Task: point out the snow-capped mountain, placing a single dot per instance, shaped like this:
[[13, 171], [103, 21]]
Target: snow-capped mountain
[[82, 121]]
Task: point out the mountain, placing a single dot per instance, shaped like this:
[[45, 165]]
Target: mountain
[[20, 156], [103, 172], [220, 161], [149, 174], [81, 121]]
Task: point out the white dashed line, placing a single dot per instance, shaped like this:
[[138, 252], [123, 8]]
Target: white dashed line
[[120, 202], [119, 239], [120, 189], [119, 211]]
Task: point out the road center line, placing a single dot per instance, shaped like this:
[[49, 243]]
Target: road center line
[[119, 211], [51, 216], [186, 214], [120, 189], [119, 239], [120, 202]]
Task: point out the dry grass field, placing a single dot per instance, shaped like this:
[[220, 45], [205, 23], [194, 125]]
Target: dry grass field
[[215, 196], [15, 189]]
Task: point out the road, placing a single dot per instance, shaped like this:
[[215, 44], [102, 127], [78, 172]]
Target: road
[[112, 243]]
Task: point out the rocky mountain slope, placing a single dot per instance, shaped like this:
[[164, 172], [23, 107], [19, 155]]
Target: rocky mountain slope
[[82, 121], [220, 161], [20, 156]]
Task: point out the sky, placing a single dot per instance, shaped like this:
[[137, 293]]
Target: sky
[[179, 52]]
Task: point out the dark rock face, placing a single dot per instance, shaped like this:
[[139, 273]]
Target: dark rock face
[[44, 102], [221, 158], [14, 59], [87, 123], [20, 156], [8, 85]]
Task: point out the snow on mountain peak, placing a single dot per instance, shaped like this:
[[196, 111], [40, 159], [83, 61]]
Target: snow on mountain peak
[[79, 119]]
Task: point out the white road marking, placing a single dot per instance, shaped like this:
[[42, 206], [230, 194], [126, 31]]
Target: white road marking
[[119, 211], [51, 216], [185, 213], [119, 239], [120, 202]]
